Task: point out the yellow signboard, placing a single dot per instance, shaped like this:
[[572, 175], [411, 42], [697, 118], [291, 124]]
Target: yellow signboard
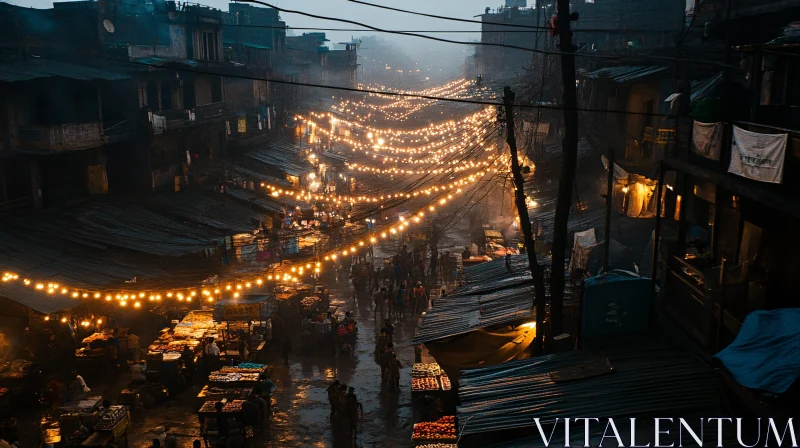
[[242, 311]]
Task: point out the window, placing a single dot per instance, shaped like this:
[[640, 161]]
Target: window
[[207, 46]]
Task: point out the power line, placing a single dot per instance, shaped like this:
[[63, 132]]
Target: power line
[[399, 94], [457, 42], [480, 22]]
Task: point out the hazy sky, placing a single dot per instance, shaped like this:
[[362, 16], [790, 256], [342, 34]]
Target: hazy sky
[[373, 16]]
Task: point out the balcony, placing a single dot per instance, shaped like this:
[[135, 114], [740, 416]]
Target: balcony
[[172, 120], [64, 137]]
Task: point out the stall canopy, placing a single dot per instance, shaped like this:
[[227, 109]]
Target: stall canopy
[[631, 378], [468, 331], [495, 275], [35, 300], [247, 308]]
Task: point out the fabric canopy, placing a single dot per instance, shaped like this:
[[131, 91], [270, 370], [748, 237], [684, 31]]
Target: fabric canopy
[[766, 353], [482, 348]]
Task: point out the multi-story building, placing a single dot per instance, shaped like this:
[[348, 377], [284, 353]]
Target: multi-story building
[[730, 205]]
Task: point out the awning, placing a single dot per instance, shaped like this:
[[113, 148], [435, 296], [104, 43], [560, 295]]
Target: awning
[[46, 68], [624, 73], [36, 300]]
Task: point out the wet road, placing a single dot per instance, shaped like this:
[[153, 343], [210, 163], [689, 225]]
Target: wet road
[[300, 404]]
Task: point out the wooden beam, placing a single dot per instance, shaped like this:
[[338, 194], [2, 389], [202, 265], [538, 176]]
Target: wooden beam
[[740, 186]]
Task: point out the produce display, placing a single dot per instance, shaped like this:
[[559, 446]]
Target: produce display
[[309, 302], [419, 384], [420, 370], [233, 406], [111, 417], [3, 390], [245, 367], [232, 377], [445, 380], [442, 429], [208, 406], [438, 445], [16, 369], [96, 337]]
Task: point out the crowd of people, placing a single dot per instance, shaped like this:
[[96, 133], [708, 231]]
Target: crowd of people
[[346, 411]]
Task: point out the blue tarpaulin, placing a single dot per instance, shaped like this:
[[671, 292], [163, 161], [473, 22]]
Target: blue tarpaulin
[[766, 353]]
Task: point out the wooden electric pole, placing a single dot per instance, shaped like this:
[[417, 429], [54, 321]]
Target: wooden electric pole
[[609, 201], [569, 163], [525, 220]]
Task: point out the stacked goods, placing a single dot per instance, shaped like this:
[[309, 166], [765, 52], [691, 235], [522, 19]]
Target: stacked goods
[[245, 367], [443, 429], [233, 406], [309, 303], [421, 370], [95, 338], [445, 380], [424, 384], [224, 377], [208, 406], [16, 369], [111, 417]]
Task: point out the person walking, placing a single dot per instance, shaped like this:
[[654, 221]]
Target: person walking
[[420, 302], [355, 412], [287, 348], [333, 390], [341, 402], [400, 302], [386, 360], [394, 373]]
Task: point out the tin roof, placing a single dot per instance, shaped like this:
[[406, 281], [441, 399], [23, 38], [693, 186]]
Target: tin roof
[[460, 314], [35, 300], [29, 69], [648, 378], [625, 73]]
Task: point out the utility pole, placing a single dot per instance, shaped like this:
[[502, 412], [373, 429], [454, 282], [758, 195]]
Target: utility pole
[[525, 220], [609, 200], [569, 163]]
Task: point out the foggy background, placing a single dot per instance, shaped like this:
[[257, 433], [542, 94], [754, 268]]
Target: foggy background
[[436, 60]]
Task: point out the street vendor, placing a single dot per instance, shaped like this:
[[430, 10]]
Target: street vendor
[[78, 388]]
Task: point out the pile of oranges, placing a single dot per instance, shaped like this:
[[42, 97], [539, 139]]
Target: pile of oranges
[[442, 429]]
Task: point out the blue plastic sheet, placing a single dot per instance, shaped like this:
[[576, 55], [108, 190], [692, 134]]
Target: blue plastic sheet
[[766, 353]]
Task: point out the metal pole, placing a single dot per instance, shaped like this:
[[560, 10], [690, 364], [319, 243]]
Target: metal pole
[[609, 201]]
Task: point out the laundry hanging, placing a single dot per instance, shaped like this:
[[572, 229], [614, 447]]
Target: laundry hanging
[[758, 156], [707, 139]]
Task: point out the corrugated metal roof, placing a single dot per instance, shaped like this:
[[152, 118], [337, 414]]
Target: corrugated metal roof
[[284, 156], [108, 241], [625, 73], [46, 68], [494, 275], [460, 314], [36, 300], [263, 203], [703, 89], [650, 378]]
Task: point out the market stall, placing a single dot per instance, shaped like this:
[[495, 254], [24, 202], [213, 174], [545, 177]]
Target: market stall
[[165, 364], [20, 382], [232, 412], [441, 431], [83, 423], [246, 321], [95, 353]]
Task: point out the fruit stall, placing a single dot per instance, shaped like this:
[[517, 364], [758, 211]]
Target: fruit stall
[[84, 424], [232, 411], [20, 383], [440, 431], [246, 317]]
